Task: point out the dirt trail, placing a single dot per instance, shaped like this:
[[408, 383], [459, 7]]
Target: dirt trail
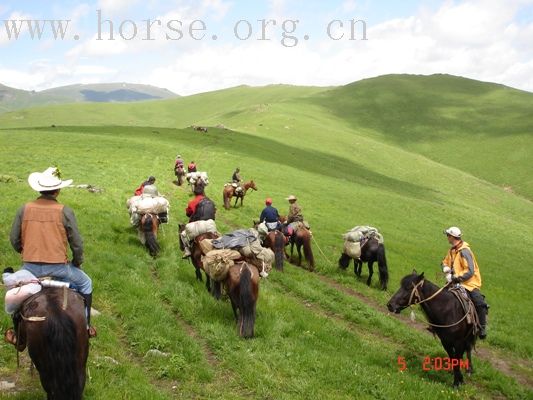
[[188, 328]]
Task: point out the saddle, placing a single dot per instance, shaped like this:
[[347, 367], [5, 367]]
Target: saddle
[[468, 307]]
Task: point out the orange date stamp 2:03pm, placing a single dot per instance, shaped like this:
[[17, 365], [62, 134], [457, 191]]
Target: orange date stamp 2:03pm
[[435, 364]]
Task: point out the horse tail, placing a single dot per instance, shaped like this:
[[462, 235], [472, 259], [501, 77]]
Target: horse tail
[[225, 199], [151, 240], [344, 261], [56, 363], [308, 251], [246, 303], [217, 290], [279, 247], [382, 266]]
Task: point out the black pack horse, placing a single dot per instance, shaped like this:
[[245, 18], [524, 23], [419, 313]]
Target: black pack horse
[[445, 314], [372, 251]]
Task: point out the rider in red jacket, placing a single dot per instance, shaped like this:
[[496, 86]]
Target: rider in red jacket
[[191, 207]]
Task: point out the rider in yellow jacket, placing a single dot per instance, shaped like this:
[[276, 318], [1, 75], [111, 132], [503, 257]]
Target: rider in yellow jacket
[[465, 271]]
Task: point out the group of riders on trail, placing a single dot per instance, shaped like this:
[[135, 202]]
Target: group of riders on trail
[[43, 229]]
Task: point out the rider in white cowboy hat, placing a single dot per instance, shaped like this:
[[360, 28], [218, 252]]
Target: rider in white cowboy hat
[[41, 231], [462, 263]]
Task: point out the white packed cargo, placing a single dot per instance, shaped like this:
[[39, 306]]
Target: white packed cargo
[[21, 285], [197, 228]]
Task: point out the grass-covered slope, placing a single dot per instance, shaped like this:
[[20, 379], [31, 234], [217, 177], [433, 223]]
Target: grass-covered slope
[[318, 335], [15, 99]]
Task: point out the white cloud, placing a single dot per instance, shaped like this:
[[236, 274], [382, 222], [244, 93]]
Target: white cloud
[[479, 39], [115, 7], [40, 73], [14, 16]]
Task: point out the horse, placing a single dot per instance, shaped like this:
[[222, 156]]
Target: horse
[[196, 259], [148, 233], [197, 179], [242, 286], [445, 314], [275, 241], [180, 173], [53, 326], [229, 192], [301, 238], [371, 252]]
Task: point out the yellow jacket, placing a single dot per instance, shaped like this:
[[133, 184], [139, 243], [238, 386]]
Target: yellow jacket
[[464, 266]]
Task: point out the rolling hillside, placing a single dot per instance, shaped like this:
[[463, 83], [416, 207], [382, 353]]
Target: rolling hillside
[[354, 155], [13, 99]]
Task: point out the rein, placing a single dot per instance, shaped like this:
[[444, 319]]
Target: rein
[[415, 295]]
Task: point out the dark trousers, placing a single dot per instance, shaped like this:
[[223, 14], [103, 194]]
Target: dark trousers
[[481, 306]]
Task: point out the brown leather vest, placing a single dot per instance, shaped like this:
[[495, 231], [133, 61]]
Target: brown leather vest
[[44, 237]]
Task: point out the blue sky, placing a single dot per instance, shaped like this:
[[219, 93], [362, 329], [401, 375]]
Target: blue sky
[[482, 39]]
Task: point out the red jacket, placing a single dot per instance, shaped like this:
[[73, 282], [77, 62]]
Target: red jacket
[[191, 207], [191, 167]]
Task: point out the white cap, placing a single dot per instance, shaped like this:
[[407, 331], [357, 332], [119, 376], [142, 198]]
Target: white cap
[[453, 231]]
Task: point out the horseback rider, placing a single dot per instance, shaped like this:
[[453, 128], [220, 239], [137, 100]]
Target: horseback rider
[[179, 162], [201, 208], [192, 167], [270, 216], [41, 231], [295, 211], [236, 181], [140, 189], [465, 272], [236, 177]]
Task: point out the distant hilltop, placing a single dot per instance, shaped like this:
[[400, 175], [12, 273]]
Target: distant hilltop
[[15, 99]]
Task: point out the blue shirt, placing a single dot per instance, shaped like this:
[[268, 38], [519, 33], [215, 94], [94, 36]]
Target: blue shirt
[[269, 214]]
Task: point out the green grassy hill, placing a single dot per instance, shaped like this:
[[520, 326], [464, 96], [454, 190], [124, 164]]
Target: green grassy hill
[[14, 99], [318, 335]]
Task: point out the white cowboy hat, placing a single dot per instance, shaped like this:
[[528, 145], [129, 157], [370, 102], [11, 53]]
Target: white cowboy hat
[[47, 180], [453, 231], [291, 197]]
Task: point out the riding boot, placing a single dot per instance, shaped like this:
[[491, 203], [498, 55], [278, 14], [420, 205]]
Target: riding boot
[[481, 307], [482, 315], [88, 305]]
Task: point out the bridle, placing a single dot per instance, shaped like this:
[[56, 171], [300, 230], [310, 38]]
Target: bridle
[[415, 295]]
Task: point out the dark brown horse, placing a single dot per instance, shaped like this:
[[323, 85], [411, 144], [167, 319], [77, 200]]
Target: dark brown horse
[[444, 313], [196, 259], [242, 286], [54, 328], [275, 241], [229, 192], [371, 251], [148, 233]]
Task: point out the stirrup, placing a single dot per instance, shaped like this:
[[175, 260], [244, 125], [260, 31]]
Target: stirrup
[[91, 330], [10, 337]]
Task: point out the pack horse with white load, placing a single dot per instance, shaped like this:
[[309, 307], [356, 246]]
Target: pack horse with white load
[[147, 212], [365, 244]]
